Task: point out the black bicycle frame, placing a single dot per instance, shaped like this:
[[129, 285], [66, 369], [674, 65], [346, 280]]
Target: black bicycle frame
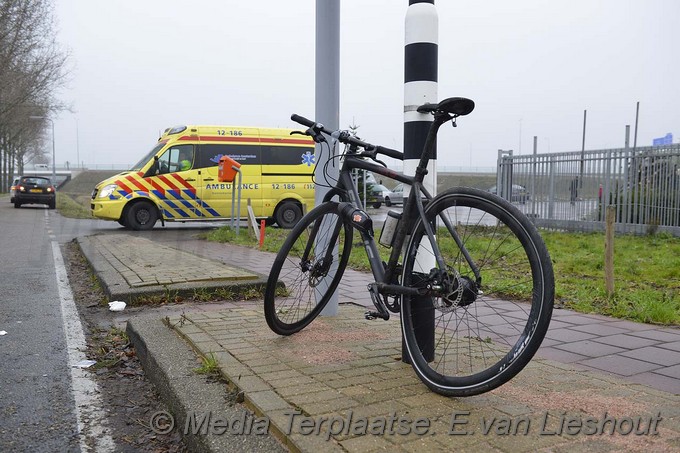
[[347, 192]]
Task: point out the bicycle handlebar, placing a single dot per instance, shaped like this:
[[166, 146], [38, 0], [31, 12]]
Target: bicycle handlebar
[[346, 137], [390, 152], [302, 120]]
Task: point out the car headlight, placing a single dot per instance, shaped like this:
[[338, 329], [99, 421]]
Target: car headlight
[[107, 190]]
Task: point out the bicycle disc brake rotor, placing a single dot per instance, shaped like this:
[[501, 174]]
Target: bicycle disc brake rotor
[[463, 293], [317, 272]]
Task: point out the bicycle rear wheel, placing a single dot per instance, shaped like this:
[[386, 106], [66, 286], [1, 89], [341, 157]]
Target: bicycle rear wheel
[[308, 273], [487, 329]]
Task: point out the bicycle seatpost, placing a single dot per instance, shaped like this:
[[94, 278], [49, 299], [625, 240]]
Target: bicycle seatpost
[[439, 119]]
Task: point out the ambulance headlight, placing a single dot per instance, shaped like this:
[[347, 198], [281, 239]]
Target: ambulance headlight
[[107, 191]]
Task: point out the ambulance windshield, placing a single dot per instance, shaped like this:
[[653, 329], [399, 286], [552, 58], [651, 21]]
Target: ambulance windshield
[[139, 165]]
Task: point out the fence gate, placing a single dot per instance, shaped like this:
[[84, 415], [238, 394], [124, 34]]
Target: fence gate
[[571, 191]]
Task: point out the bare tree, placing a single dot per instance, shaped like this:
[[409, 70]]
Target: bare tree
[[32, 68]]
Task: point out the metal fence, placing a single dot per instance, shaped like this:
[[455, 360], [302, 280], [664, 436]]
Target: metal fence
[[571, 191]]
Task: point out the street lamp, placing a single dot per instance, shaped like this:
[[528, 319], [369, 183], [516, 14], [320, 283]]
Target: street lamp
[[54, 159]]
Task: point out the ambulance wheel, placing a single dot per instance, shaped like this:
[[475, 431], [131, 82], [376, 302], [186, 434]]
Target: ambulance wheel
[[122, 223], [142, 216], [288, 214]]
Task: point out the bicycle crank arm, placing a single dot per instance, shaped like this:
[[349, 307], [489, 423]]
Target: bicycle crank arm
[[382, 312]]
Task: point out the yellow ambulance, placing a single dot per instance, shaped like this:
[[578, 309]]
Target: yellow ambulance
[[178, 179]]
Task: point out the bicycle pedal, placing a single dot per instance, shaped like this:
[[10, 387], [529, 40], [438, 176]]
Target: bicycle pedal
[[371, 315]]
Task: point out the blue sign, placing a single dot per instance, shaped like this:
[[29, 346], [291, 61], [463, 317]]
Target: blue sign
[[667, 140]]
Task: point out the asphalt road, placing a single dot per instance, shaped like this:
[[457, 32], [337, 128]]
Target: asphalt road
[[39, 387], [44, 399], [37, 411]]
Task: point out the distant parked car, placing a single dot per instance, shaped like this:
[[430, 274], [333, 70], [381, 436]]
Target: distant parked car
[[376, 195], [35, 190], [395, 196], [12, 189], [519, 193]]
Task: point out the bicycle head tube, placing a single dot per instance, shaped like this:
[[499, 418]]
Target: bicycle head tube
[[358, 218]]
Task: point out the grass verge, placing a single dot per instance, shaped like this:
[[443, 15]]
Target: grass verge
[[74, 208], [646, 271]]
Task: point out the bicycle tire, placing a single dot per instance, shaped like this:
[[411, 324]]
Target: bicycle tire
[[481, 341], [292, 311]]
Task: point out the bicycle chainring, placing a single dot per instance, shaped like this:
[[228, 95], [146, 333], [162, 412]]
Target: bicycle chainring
[[393, 305]]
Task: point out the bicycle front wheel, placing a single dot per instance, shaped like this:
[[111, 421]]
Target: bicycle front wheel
[[307, 269], [497, 310]]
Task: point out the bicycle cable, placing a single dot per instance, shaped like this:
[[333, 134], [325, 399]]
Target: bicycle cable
[[328, 184]]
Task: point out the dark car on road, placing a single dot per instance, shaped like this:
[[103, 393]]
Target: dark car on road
[[376, 195], [35, 190]]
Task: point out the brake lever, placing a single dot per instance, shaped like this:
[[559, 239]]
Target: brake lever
[[316, 136], [311, 132], [380, 162]]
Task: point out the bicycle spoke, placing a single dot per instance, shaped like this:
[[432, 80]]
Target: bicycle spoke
[[309, 265], [476, 336]]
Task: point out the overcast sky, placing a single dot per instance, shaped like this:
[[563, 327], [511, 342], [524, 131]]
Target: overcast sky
[[531, 66]]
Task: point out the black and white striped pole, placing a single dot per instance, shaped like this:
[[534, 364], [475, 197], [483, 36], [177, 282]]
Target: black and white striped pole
[[420, 86]]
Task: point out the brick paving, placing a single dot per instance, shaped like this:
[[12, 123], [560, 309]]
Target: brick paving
[[592, 373], [573, 338], [324, 387]]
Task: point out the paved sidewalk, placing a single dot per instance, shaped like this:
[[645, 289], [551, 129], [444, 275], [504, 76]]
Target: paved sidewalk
[[323, 388], [344, 374], [130, 267], [640, 353]]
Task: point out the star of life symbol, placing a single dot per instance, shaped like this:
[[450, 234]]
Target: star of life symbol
[[308, 158]]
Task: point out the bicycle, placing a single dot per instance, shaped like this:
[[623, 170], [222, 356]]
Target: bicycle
[[473, 262]]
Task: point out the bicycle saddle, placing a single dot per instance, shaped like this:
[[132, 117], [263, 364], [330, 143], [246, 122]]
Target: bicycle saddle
[[454, 106]]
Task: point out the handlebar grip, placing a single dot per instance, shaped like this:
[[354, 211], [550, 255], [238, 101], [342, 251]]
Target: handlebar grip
[[302, 120], [390, 152]]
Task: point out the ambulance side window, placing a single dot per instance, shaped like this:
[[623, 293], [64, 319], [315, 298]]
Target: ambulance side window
[[209, 154], [287, 155], [176, 158]]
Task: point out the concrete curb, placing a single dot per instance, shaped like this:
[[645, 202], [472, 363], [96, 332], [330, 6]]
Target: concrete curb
[[169, 363]]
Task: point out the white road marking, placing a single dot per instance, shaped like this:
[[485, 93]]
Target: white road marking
[[90, 410]]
